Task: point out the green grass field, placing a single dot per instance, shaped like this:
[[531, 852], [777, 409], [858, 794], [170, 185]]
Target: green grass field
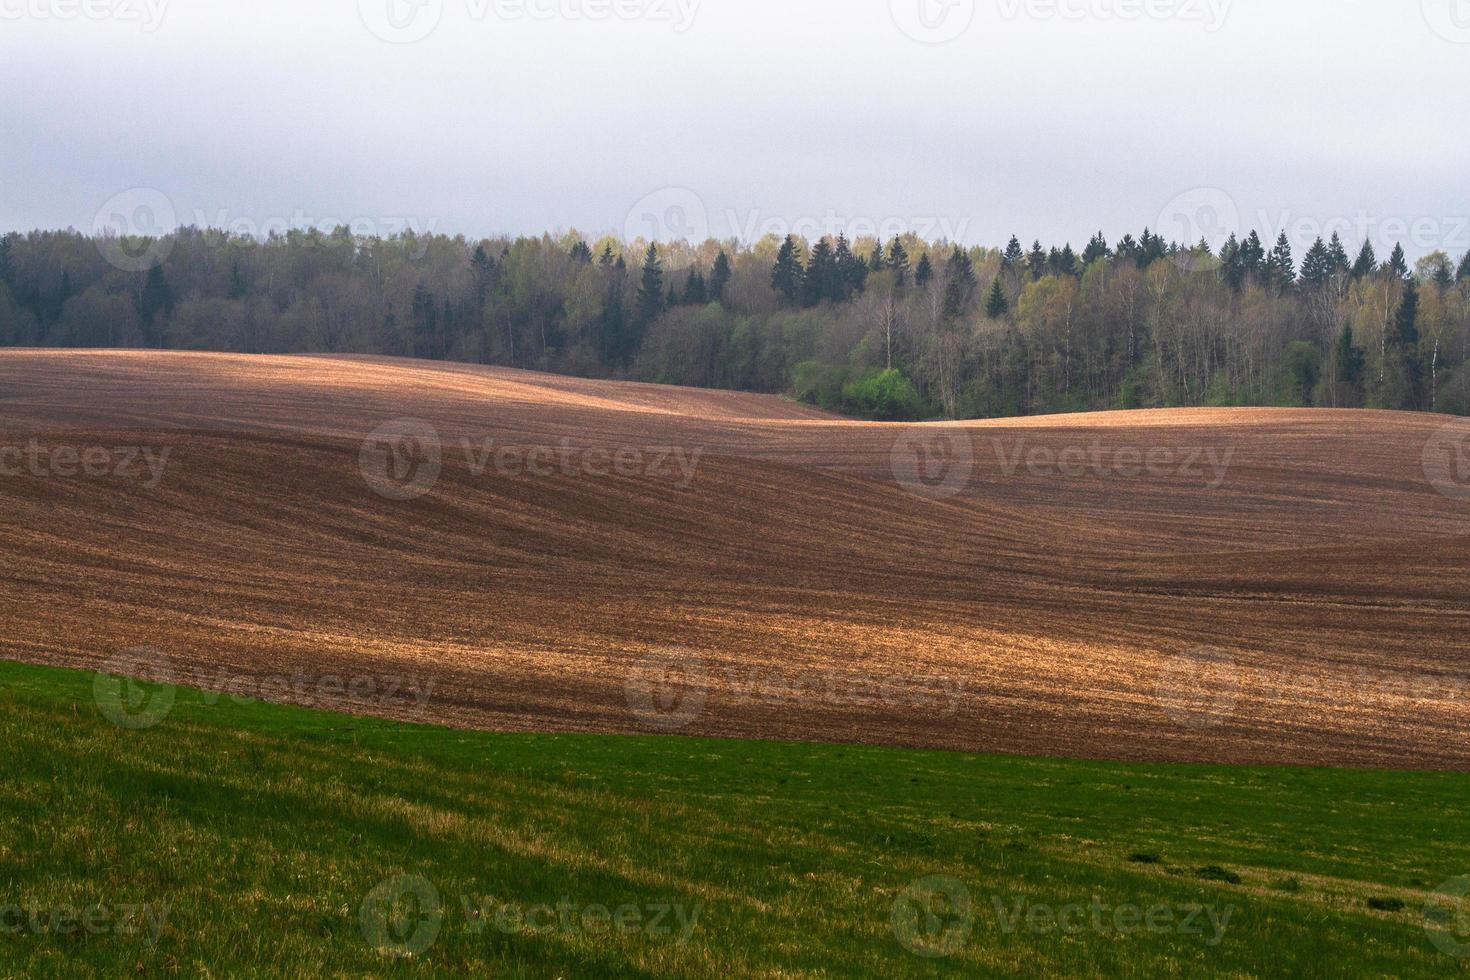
[[244, 838]]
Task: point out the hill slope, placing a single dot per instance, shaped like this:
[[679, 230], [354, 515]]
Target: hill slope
[[1206, 585]]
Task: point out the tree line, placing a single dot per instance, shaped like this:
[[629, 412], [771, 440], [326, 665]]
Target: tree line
[[896, 329]]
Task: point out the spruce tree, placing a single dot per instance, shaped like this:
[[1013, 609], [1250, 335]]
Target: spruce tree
[[1253, 256], [876, 262], [898, 261], [1014, 255], [1128, 250], [695, 291], [1338, 255], [1367, 262], [1097, 248], [1397, 263], [1403, 351], [1317, 265], [1350, 358], [719, 277], [1444, 276], [650, 298], [995, 304], [786, 276], [1037, 260], [1067, 263], [820, 273], [581, 253], [1464, 272], [924, 271], [155, 305], [959, 284], [1280, 268]]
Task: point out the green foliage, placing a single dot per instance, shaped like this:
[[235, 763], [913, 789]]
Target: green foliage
[[884, 395]]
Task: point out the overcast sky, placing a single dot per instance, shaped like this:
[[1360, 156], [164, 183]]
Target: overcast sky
[[971, 119]]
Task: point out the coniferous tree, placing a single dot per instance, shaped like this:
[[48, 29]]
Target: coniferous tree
[[1464, 271], [1231, 267], [821, 270], [581, 253], [695, 291], [155, 305], [1317, 265], [1350, 358], [1037, 260], [1444, 276], [786, 277], [1404, 372], [876, 262], [995, 304], [924, 271], [1067, 261], [1097, 248], [1367, 262], [851, 268], [1280, 271], [959, 284], [1338, 255], [1128, 250], [650, 297], [1253, 256], [1014, 256], [719, 277], [1397, 263], [898, 261]]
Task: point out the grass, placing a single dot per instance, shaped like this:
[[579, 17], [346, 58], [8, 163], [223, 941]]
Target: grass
[[274, 837]]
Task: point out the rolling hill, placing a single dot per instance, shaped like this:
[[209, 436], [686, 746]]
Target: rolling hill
[[541, 553]]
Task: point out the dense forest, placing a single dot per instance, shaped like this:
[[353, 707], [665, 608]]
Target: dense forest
[[902, 329]]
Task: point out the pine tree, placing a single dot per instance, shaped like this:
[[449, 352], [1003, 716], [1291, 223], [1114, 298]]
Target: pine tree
[[1097, 248], [719, 277], [1128, 250], [581, 253], [1464, 272], [1403, 351], [1037, 260], [851, 270], [1231, 267], [1444, 276], [924, 271], [995, 304], [650, 297], [876, 262], [1067, 261], [1367, 262], [605, 261], [786, 276], [1253, 256]]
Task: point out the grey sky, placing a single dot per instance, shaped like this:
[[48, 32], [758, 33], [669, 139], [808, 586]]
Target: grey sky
[[1047, 118]]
